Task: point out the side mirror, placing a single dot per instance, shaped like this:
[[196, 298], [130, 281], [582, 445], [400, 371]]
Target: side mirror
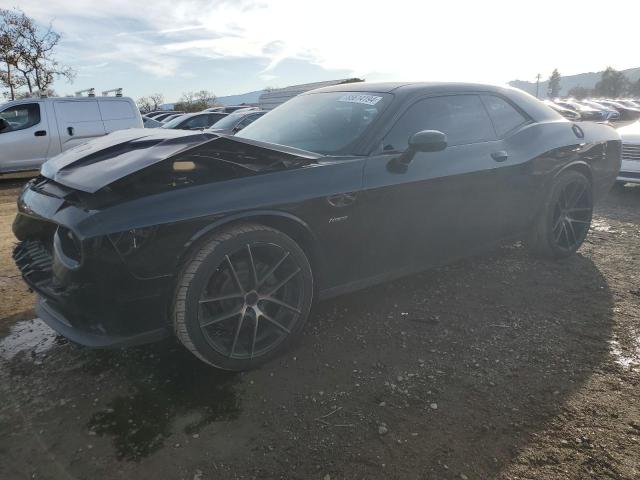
[[423, 141], [4, 125], [428, 141]]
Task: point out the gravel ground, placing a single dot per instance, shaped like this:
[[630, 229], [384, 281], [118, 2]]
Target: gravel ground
[[502, 366]]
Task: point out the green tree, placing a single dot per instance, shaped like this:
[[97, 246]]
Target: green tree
[[613, 84], [579, 93], [554, 84]]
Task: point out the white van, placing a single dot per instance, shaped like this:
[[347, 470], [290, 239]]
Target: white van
[[35, 129]]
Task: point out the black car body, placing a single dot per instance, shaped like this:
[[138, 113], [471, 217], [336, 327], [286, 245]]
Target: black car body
[[194, 121], [234, 122], [368, 192]]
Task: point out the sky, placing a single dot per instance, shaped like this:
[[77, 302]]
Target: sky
[[236, 46]]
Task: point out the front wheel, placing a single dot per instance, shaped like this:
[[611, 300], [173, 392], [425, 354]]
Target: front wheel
[[243, 297], [566, 217]]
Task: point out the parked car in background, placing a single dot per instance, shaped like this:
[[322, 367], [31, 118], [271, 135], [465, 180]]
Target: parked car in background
[[226, 241], [626, 113], [567, 113], [614, 115], [162, 116], [629, 103], [630, 169], [586, 113], [36, 129], [171, 117], [230, 108], [234, 122], [194, 121], [150, 122], [161, 112]]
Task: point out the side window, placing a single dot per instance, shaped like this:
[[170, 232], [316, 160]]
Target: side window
[[249, 119], [21, 116], [505, 118], [214, 118], [462, 118], [201, 121]]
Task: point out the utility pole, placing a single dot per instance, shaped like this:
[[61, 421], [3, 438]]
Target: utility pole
[[537, 85]]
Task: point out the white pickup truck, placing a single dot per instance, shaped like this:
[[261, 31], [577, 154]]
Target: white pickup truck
[[36, 129]]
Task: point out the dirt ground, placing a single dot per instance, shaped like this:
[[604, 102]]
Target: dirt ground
[[502, 367]]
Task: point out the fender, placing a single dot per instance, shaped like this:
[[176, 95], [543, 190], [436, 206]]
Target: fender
[[579, 165], [310, 244]]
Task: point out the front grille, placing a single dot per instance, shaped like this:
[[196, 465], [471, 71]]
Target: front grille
[[631, 151], [34, 261]]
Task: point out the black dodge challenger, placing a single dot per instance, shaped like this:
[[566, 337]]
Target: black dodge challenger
[[226, 241]]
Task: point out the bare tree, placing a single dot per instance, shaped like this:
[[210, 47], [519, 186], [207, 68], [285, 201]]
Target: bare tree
[[11, 32], [196, 101], [156, 100], [27, 52], [150, 103]]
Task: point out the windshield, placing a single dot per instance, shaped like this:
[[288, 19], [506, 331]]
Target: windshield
[[229, 121], [173, 123], [326, 123]]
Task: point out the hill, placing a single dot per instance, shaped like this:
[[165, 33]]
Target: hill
[[586, 80]]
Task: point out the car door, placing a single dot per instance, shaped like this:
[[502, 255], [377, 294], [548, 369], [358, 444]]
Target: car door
[[78, 122], [446, 204], [25, 143], [519, 186]]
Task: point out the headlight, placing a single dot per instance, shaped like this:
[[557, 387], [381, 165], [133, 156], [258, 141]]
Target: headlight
[[67, 247], [129, 241]]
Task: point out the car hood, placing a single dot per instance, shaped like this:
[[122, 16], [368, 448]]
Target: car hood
[[630, 132], [100, 162]]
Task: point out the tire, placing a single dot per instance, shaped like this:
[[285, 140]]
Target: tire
[[565, 219], [243, 297]]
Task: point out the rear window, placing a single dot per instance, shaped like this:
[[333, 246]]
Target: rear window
[[116, 110]]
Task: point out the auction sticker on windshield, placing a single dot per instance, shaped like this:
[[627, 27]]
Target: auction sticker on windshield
[[360, 98]]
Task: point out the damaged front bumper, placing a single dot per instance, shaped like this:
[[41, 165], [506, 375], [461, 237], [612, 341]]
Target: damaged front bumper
[[90, 297]]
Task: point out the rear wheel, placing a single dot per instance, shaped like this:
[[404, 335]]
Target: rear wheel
[[243, 297], [565, 221]]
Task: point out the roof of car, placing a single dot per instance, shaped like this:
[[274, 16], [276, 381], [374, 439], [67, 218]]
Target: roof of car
[[396, 87], [535, 108]]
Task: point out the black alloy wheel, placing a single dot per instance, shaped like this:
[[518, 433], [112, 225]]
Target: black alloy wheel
[[564, 222], [247, 300], [572, 215]]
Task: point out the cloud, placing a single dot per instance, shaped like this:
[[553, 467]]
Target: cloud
[[492, 41]]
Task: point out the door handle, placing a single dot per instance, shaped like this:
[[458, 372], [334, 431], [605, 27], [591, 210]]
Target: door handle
[[70, 131], [40, 133], [500, 156]]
